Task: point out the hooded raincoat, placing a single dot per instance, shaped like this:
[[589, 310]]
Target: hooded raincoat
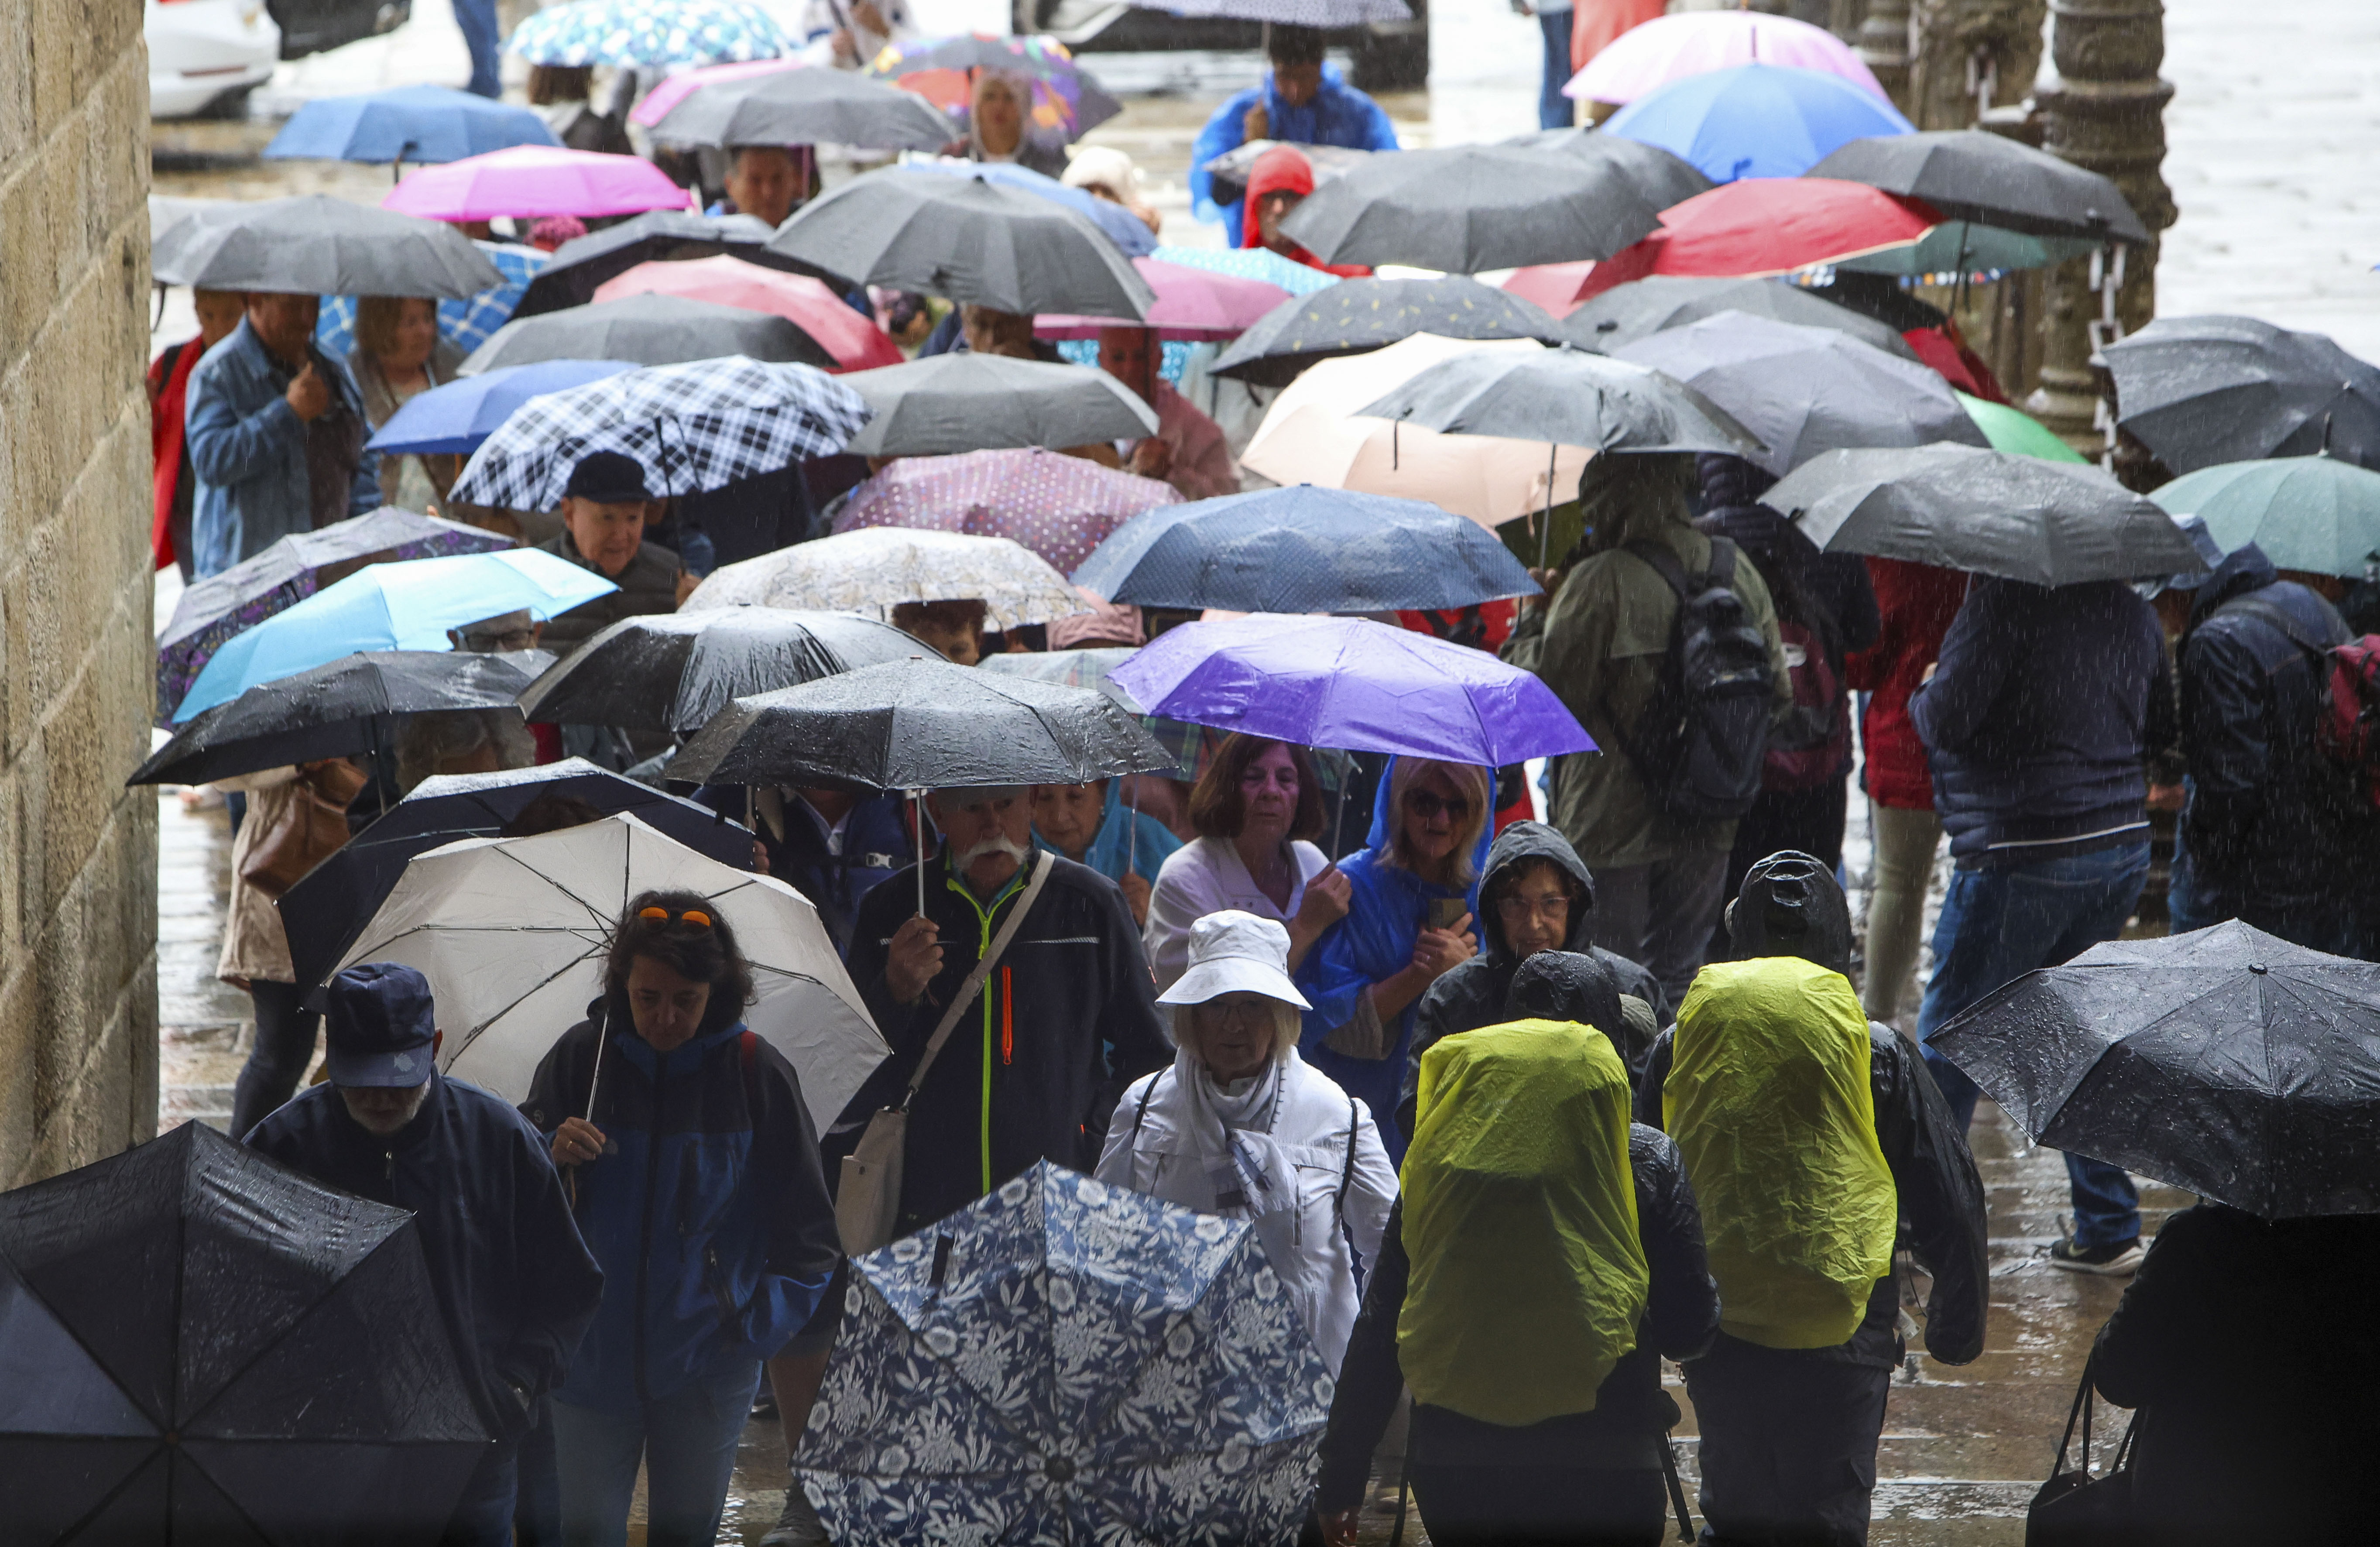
[[1338, 115]]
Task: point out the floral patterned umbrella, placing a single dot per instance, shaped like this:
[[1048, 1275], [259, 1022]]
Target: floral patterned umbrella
[[1060, 507], [1066, 1361], [643, 33]]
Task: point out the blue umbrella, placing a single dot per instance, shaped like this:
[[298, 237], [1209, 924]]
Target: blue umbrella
[[1120, 225], [1303, 550], [1250, 262], [408, 605], [412, 123], [457, 417], [640, 33], [1756, 120]]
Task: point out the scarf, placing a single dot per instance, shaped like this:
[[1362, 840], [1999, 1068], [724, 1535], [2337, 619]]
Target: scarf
[[165, 432], [1243, 1172]]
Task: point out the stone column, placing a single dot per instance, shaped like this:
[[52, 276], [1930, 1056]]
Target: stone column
[[1884, 47], [1966, 47]]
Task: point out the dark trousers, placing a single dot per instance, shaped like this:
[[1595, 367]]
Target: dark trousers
[[285, 1045], [536, 1496], [1517, 1506], [1787, 1446], [481, 35], [484, 1516], [1659, 916], [1808, 820], [1554, 110]]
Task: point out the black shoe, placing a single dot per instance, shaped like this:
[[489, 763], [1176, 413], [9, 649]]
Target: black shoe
[[2116, 1259], [764, 1402]]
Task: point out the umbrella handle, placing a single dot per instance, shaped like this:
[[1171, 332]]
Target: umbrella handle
[[917, 838], [1339, 817]]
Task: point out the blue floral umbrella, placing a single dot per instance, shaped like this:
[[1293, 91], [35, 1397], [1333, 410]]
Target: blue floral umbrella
[[1065, 1361], [649, 32]]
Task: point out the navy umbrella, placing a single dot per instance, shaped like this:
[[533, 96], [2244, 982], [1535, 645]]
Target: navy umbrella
[[412, 123], [1356, 316]]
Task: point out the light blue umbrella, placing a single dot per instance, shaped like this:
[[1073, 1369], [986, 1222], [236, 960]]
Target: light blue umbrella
[[1756, 120], [412, 123], [1250, 262], [407, 606], [641, 33], [455, 418], [2311, 513]]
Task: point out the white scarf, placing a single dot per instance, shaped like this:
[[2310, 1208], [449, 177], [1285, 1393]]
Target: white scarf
[[1242, 1172]]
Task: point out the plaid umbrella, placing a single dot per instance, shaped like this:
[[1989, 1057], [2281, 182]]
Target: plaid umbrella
[[1060, 507], [468, 321], [693, 427], [638, 33]]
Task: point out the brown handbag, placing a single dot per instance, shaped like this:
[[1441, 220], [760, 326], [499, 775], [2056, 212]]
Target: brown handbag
[[310, 827]]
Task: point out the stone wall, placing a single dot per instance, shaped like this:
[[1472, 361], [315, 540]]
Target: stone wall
[[78, 851]]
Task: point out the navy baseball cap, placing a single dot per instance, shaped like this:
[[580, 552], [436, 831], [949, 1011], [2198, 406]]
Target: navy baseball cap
[[378, 1025]]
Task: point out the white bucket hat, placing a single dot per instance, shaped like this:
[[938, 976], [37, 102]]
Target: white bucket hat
[[1235, 953]]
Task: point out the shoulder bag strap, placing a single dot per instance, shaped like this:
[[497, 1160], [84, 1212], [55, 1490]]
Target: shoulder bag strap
[[1043, 865], [1140, 1112], [1347, 1173], [1662, 562]]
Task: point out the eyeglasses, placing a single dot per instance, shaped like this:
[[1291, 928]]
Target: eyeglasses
[[1428, 806], [660, 918], [1554, 905]]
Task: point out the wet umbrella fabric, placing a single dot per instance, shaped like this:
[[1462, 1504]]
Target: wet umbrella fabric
[[1356, 316], [583, 264], [1767, 226], [424, 124], [1653, 54], [1954, 506], [670, 673], [875, 570], [811, 305], [1066, 1361], [1642, 307], [1118, 225], [2225, 1061], [963, 401], [1565, 396], [531, 180], [1303, 550], [1662, 178], [1323, 14], [2013, 429], [205, 1346], [1066, 100], [647, 34], [1259, 264], [804, 105], [2310, 513], [1756, 120], [1467, 208], [456, 416], [513, 933], [1991, 180], [648, 329], [1194, 303], [319, 246], [2201, 391], [1062, 507]]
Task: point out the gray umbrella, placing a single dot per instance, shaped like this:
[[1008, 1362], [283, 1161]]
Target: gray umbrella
[[1564, 396], [669, 672], [649, 330], [1807, 390], [968, 239], [2199, 391], [1641, 308], [1991, 512], [806, 107], [1991, 180], [1465, 208], [1359, 315], [320, 245], [970, 402], [1663, 177]]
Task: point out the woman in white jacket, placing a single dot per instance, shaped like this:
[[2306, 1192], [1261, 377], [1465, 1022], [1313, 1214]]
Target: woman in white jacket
[[1241, 1126]]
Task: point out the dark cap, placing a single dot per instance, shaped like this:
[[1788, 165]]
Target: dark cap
[[607, 477], [378, 1023]]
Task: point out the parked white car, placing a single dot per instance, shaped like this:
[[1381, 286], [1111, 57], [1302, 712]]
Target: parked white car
[[206, 55]]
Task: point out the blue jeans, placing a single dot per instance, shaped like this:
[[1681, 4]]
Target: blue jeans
[[686, 1440], [478, 21], [484, 1516], [1998, 925], [1554, 110]]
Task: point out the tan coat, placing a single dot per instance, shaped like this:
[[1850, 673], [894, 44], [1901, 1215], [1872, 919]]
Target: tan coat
[[254, 945]]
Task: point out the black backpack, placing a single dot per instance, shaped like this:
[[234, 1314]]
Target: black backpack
[[1701, 745]]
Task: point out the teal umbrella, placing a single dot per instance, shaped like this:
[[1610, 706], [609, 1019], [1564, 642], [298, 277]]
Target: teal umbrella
[[2310, 513]]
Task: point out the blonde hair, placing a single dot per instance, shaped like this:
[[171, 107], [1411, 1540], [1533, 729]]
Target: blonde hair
[[1470, 781], [1288, 1023]]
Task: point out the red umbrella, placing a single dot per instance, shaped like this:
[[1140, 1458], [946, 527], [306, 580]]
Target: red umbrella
[[1191, 303], [856, 342]]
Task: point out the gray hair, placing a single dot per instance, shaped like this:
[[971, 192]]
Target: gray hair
[[430, 741]]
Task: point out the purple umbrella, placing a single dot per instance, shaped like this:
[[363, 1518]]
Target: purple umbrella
[[1351, 685]]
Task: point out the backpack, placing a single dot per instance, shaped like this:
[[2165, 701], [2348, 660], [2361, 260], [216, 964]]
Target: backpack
[[2347, 698], [1810, 748], [1702, 743]]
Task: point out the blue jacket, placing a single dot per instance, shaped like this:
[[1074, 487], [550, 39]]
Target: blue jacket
[[875, 843], [248, 447], [2044, 709], [1339, 114], [713, 1220], [1128, 840]]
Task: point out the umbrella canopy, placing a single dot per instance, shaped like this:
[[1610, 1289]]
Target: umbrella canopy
[[457, 417], [512, 933], [678, 85], [1259, 264], [1356, 316], [411, 123], [921, 724], [967, 237], [965, 401], [326, 911], [408, 605], [1066, 99], [855, 342], [692, 428], [1568, 397], [214, 610], [1670, 48], [1757, 120], [800, 106], [671, 672], [875, 570], [1352, 684], [2199, 391], [1767, 226], [580, 266], [1120, 226], [1803, 391], [2010, 428], [1063, 1360], [1974, 175], [530, 180], [1642, 307], [1059, 507], [649, 330], [647, 33], [2224, 1061], [1662, 178], [207, 1346], [1324, 14], [319, 246], [1958, 248], [2310, 513], [1956, 508], [1192, 303], [1463, 208], [1303, 550]]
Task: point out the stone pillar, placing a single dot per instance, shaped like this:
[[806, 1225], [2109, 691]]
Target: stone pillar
[[78, 850], [1884, 47], [1968, 48], [2105, 111]]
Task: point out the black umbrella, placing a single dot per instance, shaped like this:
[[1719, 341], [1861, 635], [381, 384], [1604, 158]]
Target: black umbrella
[[2199, 391], [320, 245], [1356, 316], [969, 238], [649, 330], [1991, 512], [582, 265], [969, 402], [1992, 180], [670, 673], [1463, 208], [1662, 177], [335, 711], [1642, 307], [203, 1346], [1564, 397], [2225, 1061], [804, 107], [325, 913]]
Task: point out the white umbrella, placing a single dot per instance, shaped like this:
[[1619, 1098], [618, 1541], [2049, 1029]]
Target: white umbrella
[[874, 568], [511, 934]]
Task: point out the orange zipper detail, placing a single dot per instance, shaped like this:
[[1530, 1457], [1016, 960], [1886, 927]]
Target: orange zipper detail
[[1007, 1019]]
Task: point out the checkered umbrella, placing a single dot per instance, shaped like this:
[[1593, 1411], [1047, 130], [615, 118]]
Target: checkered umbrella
[[639, 33], [693, 427]]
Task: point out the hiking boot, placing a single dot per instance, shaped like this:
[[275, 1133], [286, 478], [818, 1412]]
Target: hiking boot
[[799, 1525], [2116, 1259]]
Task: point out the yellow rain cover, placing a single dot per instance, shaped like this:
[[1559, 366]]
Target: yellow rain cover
[[1520, 1219], [1769, 1102]]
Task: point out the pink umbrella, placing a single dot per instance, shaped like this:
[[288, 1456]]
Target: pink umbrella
[[1693, 42], [1060, 507], [686, 83], [1191, 303], [1560, 288], [856, 342], [530, 180]]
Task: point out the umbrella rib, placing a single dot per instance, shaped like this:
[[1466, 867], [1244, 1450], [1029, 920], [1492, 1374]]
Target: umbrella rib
[[473, 1035], [303, 1317]]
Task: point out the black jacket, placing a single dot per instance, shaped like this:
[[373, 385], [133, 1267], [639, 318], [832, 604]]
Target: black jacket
[[1680, 1318], [516, 1284]]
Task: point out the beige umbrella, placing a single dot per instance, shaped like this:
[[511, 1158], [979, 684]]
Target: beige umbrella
[[1312, 435]]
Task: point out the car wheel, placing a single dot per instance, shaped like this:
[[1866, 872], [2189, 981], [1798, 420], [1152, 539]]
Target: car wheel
[[230, 106]]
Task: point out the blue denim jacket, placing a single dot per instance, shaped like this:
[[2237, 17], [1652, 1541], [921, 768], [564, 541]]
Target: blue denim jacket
[[248, 447]]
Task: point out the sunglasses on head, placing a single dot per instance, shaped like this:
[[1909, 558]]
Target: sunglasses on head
[[1427, 805], [660, 918]]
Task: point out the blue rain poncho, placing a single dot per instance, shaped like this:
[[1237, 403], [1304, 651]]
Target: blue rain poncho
[[1115, 845]]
